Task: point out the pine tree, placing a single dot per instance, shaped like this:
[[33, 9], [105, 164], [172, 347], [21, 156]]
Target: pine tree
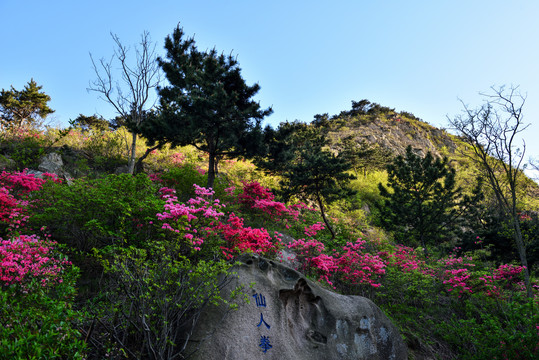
[[299, 153], [23, 108], [422, 200], [207, 104]]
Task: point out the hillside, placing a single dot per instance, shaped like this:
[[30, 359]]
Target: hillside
[[456, 303], [392, 131]]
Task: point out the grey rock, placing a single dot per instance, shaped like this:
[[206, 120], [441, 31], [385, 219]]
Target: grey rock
[[52, 163], [290, 317]]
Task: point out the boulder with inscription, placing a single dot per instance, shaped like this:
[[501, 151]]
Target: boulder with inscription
[[289, 317]]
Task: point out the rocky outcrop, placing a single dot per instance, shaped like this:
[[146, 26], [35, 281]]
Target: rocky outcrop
[[52, 163], [289, 317], [396, 133]]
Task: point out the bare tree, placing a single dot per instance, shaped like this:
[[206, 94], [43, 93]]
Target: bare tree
[[492, 132], [131, 93]]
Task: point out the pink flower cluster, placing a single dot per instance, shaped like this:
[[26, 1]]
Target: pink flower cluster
[[21, 182], [14, 190], [26, 257], [351, 263], [244, 239], [314, 229], [178, 158], [359, 267], [199, 212], [456, 274], [255, 196], [254, 191], [406, 259], [508, 272]]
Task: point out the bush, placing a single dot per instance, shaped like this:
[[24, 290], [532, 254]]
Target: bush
[[153, 298], [26, 148], [495, 330], [182, 179], [115, 210], [37, 290]]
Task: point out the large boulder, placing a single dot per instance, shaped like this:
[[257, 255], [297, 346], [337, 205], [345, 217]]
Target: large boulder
[[52, 163], [290, 317]]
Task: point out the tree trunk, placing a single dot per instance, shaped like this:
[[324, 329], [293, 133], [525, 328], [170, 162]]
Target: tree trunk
[[138, 165], [522, 254], [323, 213], [211, 170], [133, 155]]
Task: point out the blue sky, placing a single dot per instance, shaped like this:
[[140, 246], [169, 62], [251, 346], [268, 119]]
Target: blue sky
[[309, 57]]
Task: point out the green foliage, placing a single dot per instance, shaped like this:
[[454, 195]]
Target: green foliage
[[207, 104], [363, 156], [23, 108], [41, 323], [115, 210], [91, 123], [490, 331], [182, 179], [421, 203], [26, 151], [154, 297], [309, 170]]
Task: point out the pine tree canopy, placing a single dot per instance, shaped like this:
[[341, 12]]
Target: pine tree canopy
[[422, 198], [206, 104], [24, 107]]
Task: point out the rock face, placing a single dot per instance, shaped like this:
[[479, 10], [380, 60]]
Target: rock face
[[52, 163], [291, 318]]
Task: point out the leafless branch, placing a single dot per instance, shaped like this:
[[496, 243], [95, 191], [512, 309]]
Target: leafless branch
[[128, 95]]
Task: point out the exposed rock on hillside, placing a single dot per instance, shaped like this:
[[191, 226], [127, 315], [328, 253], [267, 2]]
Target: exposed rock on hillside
[[291, 318], [395, 133]]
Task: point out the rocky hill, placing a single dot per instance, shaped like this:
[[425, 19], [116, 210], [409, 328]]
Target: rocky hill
[[375, 124]]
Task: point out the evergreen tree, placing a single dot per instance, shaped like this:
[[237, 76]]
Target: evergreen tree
[[310, 171], [207, 104], [423, 199], [23, 108]]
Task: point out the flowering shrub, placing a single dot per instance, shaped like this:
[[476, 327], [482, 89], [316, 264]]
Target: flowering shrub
[[194, 219], [14, 202], [242, 239], [198, 220], [26, 258], [254, 191], [351, 264], [406, 259], [358, 267], [178, 158]]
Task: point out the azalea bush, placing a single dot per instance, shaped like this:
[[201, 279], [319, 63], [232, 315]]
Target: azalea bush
[[37, 289], [15, 201]]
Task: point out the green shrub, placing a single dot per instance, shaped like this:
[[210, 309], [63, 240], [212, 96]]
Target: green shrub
[[183, 177], [491, 330], [27, 151], [40, 323], [153, 297], [115, 210]]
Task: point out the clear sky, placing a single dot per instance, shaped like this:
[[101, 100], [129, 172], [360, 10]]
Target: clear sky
[[309, 57]]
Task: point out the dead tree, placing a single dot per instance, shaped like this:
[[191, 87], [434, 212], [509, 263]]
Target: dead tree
[[130, 94], [492, 132]]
